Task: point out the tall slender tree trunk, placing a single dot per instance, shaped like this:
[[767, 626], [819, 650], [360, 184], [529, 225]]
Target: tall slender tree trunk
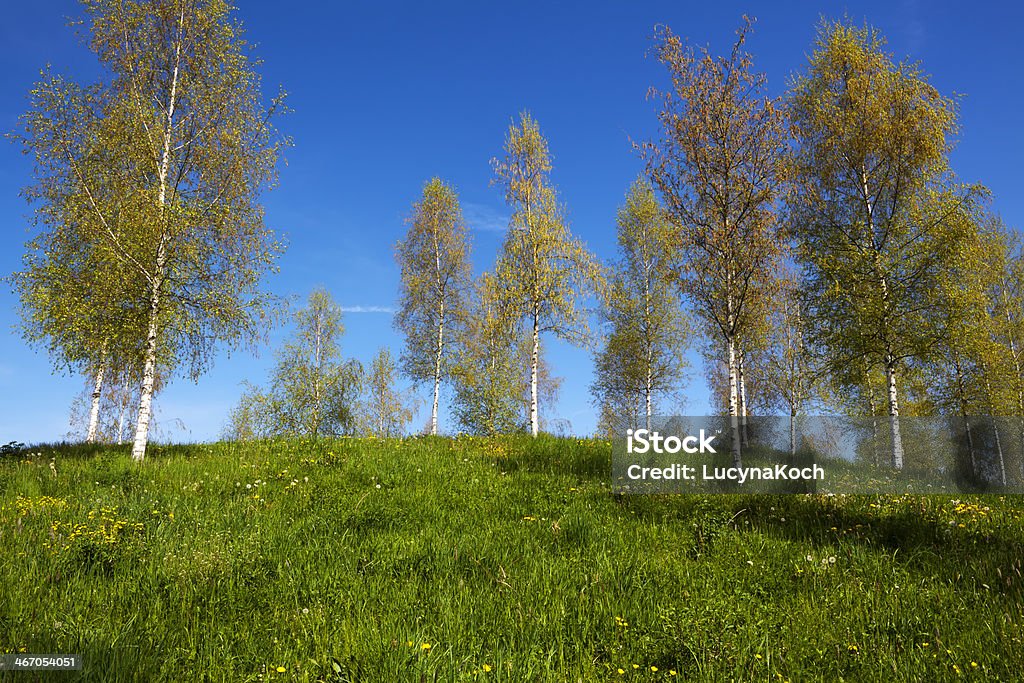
[[94, 409], [318, 364], [995, 430], [1018, 377], [1020, 416], [970, 445], [894, 413], [534, 362], [159, 271], [649, 386], [794, 348], [437, 373], [890, 360], [730, 341], [1020, 419], [440, 287], [647, 392], [124, 409], [734, 424], [744, 435], [149, 368], [792, 433], [999, 451]]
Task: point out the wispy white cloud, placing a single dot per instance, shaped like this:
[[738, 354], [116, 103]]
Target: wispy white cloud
[[367, 309], [484, 218], [917, 34]]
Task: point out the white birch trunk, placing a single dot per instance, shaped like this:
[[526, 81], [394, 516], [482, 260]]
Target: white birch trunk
[[792, 434], [649, 386], [995, 430], [94, 409], [121, 415], [149, 365], [743, 399], [734, 424], [440, 287], [318, 410], [894, 414], [999, 452], [437, 374], [647, 393], [148, 375], [1020, 394], [534, 362]]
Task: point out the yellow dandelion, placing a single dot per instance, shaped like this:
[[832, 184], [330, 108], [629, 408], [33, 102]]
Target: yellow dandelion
[[671, 672], [654, 669], [486, 668], [622, 671], [425, 646], [281, 669]]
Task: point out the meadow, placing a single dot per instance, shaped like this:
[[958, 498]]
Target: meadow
[[464, 559]]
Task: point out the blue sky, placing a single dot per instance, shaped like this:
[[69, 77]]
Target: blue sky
[[387, 95]]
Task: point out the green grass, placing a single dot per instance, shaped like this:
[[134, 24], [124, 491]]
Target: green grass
[[511, 559]]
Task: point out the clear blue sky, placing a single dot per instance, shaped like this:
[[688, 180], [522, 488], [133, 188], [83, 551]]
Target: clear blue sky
[[387, 95]]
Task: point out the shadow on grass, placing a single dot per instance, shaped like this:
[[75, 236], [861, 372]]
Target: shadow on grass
[[912, 529], [912, 532], [553, 455]]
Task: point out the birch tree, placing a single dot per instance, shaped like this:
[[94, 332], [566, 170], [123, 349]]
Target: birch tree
[[791, 368], [961, 363], [487, 372], [717, 168], [76, 301], [1007, 311], [543, 270], [492, 394], [643, 359], [80, 309], [107, 418], [996, 256], [168, 154], [313, 389], [872, 200], [386, 411], [435, 276]]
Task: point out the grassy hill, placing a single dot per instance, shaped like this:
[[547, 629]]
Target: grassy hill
[[487, 560]]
